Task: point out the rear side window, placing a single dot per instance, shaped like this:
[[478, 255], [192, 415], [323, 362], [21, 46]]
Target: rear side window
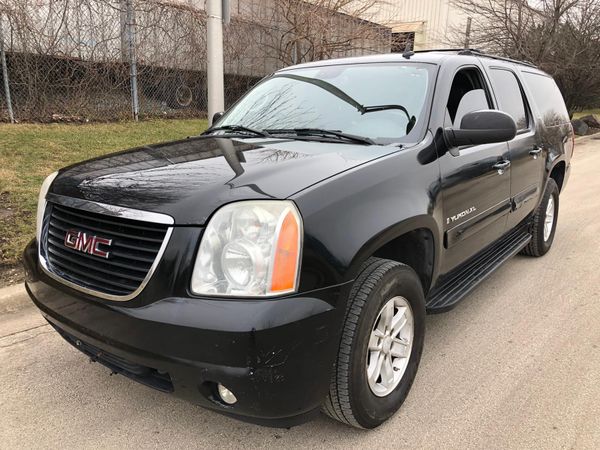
[[547, 97], [509, 95]]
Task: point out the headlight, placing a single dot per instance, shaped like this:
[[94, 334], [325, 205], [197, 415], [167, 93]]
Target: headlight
[[41, 206], [250, 249]]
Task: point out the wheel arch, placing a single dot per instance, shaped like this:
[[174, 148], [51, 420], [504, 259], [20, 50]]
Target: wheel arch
[[414, 242], [557, 173]]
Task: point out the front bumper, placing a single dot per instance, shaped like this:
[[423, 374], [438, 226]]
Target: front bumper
[[275, 355]]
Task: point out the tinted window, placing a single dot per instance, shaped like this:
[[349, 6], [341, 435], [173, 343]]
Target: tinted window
[[547, 97], [334, 97], [509, 96]]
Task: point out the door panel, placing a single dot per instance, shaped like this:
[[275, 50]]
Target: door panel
[[476, 200], [526, 153], [527, 165]]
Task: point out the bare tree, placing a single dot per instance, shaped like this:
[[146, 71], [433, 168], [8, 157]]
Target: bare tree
[[69, 59], [296, 31], [561, 37]]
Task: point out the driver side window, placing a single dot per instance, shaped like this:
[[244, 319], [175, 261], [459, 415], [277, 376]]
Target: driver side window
[[468, 93]]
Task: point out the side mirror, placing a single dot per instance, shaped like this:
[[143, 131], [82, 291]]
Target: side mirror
[[216, 116], [481, 127]]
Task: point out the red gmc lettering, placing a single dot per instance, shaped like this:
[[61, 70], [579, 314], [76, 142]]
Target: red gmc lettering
[[85, 243]]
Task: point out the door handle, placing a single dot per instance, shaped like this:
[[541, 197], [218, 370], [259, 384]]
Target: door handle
[[535, 152], [501, 166]]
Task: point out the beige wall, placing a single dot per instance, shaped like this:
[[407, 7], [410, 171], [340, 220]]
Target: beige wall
[[438, 20], [438, 17]]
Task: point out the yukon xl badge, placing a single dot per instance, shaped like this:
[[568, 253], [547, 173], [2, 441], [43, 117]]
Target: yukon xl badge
[[86, 243], [460, 215]]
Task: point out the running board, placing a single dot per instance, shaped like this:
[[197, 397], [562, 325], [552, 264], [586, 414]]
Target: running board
[[453, 287]]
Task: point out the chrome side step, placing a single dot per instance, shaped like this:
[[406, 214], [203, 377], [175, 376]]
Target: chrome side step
[[453, 287]]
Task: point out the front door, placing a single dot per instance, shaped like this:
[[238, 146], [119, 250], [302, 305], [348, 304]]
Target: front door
[[475, 179]]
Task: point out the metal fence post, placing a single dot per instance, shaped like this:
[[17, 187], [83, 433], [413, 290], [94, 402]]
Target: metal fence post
[[11, 115], [135, 105]]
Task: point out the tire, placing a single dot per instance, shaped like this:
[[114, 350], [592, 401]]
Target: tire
[[351, 399], [540, 242], [183, 96]]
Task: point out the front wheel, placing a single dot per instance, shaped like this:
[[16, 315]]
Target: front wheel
[[381, 345], [543, 224]]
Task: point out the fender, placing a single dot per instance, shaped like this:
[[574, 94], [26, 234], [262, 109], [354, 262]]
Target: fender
[[558, 139], [348, 217], [554, 158], [552, 161]]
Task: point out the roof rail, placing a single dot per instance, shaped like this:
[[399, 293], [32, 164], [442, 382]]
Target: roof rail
[[477, 52]]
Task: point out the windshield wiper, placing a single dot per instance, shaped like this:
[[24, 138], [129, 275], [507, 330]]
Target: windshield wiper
[[374, 108], [334, 90], [239, 128], [322, 132], [411, 119]]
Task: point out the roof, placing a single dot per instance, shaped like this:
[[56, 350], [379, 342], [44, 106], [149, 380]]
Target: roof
[[423, 56], [433, 58]]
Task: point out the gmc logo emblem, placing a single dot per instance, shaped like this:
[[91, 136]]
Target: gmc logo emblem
[[85, 243]]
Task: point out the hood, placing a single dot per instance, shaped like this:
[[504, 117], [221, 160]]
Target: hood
[[191, 178]]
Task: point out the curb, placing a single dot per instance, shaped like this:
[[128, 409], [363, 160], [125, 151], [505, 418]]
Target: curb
[[14, 298]]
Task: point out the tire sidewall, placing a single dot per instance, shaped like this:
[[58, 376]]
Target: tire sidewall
[[369, 409]]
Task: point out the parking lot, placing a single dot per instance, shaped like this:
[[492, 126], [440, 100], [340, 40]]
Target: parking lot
[[516, 364]]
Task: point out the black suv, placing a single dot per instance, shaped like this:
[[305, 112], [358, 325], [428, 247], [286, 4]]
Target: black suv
[[283, 262]]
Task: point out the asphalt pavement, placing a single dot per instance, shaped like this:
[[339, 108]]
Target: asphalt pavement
[[515, 365]]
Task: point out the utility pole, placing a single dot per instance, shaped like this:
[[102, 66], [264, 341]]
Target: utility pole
[[11, 115], [130, 17], [124, 25], [214, 42]]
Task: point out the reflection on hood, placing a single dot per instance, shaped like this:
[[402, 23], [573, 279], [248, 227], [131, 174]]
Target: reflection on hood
[[188, 179]]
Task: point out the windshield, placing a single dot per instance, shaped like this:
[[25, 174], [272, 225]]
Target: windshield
[[384, 102]]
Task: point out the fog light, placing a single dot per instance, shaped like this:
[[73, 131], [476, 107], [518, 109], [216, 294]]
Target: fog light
[[226, 395]]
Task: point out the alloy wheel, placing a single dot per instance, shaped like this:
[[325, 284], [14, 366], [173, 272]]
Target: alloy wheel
[[549, 219], [390, 346]]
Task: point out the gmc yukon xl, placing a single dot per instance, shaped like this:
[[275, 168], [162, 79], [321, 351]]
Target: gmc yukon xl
[[283, 262]]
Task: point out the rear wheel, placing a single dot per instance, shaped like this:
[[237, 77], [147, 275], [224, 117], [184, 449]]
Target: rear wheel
[[543, 225], [381, 345]]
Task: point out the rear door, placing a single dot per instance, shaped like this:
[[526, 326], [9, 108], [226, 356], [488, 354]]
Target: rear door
[[526, 150]]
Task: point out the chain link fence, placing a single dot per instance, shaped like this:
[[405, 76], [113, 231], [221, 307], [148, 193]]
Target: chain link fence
[[104, 60]]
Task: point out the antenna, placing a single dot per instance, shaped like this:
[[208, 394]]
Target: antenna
[[408, 51]]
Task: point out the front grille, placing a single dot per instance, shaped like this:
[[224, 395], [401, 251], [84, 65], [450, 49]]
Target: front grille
[[135, 247]]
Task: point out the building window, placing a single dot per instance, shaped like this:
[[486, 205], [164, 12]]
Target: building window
[[402, 42]]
